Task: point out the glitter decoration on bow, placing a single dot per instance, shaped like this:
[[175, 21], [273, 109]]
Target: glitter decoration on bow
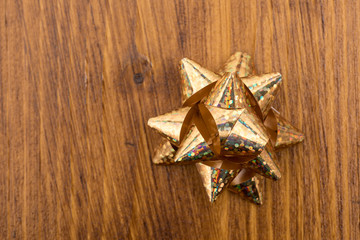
[[227, 127]]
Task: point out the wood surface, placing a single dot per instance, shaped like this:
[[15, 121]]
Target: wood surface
[[79, 80]]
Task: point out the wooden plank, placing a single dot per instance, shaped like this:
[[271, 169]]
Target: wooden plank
[[4, 139], [15, 120], [78, 81]]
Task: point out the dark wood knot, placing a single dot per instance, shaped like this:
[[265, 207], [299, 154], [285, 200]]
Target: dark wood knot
[[138, 78], [141, 66]]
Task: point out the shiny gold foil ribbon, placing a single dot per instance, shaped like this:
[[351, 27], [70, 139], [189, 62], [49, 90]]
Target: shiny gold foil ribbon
[[227, 127]]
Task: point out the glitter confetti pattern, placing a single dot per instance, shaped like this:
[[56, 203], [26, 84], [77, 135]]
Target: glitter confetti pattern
[[214, 179], [265, 165], [240, 63], [248, 136], [194, 149], [227, 93], [265, 89], [248, 189]]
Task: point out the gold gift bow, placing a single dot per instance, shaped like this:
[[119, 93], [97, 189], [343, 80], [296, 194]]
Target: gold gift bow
[[211, 135]]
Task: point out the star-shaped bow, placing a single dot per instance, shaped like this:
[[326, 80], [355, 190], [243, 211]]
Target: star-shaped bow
[[227, 127]]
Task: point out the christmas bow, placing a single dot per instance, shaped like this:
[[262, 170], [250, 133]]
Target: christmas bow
[[226, 126]]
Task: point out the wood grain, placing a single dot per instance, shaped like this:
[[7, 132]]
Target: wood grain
[[79, 79]]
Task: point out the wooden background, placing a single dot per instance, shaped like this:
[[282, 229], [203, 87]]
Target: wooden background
[[79, 79]]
